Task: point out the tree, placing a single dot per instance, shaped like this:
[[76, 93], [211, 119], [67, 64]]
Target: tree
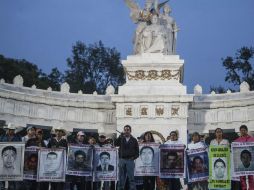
[[9, 68], [94, 67], [240, 68]]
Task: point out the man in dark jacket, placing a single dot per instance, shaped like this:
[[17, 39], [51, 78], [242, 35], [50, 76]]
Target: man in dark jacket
[[128, 152]]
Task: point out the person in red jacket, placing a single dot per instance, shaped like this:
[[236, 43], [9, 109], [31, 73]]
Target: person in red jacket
[[246, 138]]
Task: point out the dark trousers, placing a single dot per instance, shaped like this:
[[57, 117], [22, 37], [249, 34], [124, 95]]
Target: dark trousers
[[149, 182]]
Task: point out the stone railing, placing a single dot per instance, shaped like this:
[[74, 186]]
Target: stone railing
[[227, 111], [22, 105]]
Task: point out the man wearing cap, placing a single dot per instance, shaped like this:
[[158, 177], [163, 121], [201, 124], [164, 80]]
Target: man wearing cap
[[102, 140], [10, 135], [30, 130], [80, 138], [58, 142], [80, 158]]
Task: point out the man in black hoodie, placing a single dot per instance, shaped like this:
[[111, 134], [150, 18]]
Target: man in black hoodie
[[128, 152]]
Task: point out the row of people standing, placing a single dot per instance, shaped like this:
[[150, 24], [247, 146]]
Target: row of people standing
[[129, 152]]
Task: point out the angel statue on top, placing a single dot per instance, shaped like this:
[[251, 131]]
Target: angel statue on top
[[156, 32]]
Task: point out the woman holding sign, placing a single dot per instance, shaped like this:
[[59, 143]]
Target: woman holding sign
[[148, 181]]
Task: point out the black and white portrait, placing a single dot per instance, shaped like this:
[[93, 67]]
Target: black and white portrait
[[79, 160], [105, 161], [51, 165], [11, 161], [147, 164]]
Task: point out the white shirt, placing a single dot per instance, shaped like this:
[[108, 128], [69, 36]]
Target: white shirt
[[223, 142]]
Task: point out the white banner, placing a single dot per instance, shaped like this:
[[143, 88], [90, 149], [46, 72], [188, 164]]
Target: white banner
[[51, 166], [11, 161], [147, 164], [243, 158]]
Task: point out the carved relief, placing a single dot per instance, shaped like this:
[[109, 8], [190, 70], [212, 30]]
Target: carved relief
[[128, 110], [144, 110], [175, 110], [153, 75], [159, 110]]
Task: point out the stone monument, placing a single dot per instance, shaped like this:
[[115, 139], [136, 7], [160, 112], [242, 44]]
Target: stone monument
[[154, 68], [153, 97]]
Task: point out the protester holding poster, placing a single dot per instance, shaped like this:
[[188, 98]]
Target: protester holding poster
[[244, 137], [51, 166], [58, 142], [219, 164], [77, 161], [197, 160], [172, 162], [10, 136], [147, 165]]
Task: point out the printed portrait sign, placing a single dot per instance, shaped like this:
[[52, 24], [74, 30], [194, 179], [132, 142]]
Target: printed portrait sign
[[147, 164], [30, 163], [51, 166], [11, 161], [172, 161], [197, 160], [105, 164], [79, 160], [243, 158], [219, 164]]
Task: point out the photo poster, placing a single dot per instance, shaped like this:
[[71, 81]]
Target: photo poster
[[147, 164], [197, 162], [51, 165], [243, 158], [172, 161], [31, 163], [79, 160], [105, 164], [219, 165], [11, 161]]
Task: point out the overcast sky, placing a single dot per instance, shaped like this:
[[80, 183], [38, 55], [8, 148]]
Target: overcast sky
[[43, 32]]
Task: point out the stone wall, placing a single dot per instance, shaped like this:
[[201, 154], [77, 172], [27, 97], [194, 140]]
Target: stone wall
[[21, 106], [227, 111]]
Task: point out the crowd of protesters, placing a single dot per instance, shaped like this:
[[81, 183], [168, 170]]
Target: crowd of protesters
[[128, 152]]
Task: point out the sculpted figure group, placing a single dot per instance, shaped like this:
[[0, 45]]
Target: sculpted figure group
[[156, 32]]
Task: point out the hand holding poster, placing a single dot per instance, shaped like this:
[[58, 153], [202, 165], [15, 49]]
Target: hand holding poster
[[172, 162], [197, 160], [243, 158], [79, 160], [105, 161], [51, 166], [219, 164], [11, 161], [147, 164]]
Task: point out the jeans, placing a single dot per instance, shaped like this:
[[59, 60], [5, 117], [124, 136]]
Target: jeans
[[126, 169]]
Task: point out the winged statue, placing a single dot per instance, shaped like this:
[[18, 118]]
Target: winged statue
[[151, 36]]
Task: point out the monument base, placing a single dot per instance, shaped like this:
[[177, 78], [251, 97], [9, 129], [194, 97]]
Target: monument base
[[153, 74]]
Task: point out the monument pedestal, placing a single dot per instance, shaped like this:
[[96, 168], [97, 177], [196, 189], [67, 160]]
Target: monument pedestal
[[153, 98], [153, 74]]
